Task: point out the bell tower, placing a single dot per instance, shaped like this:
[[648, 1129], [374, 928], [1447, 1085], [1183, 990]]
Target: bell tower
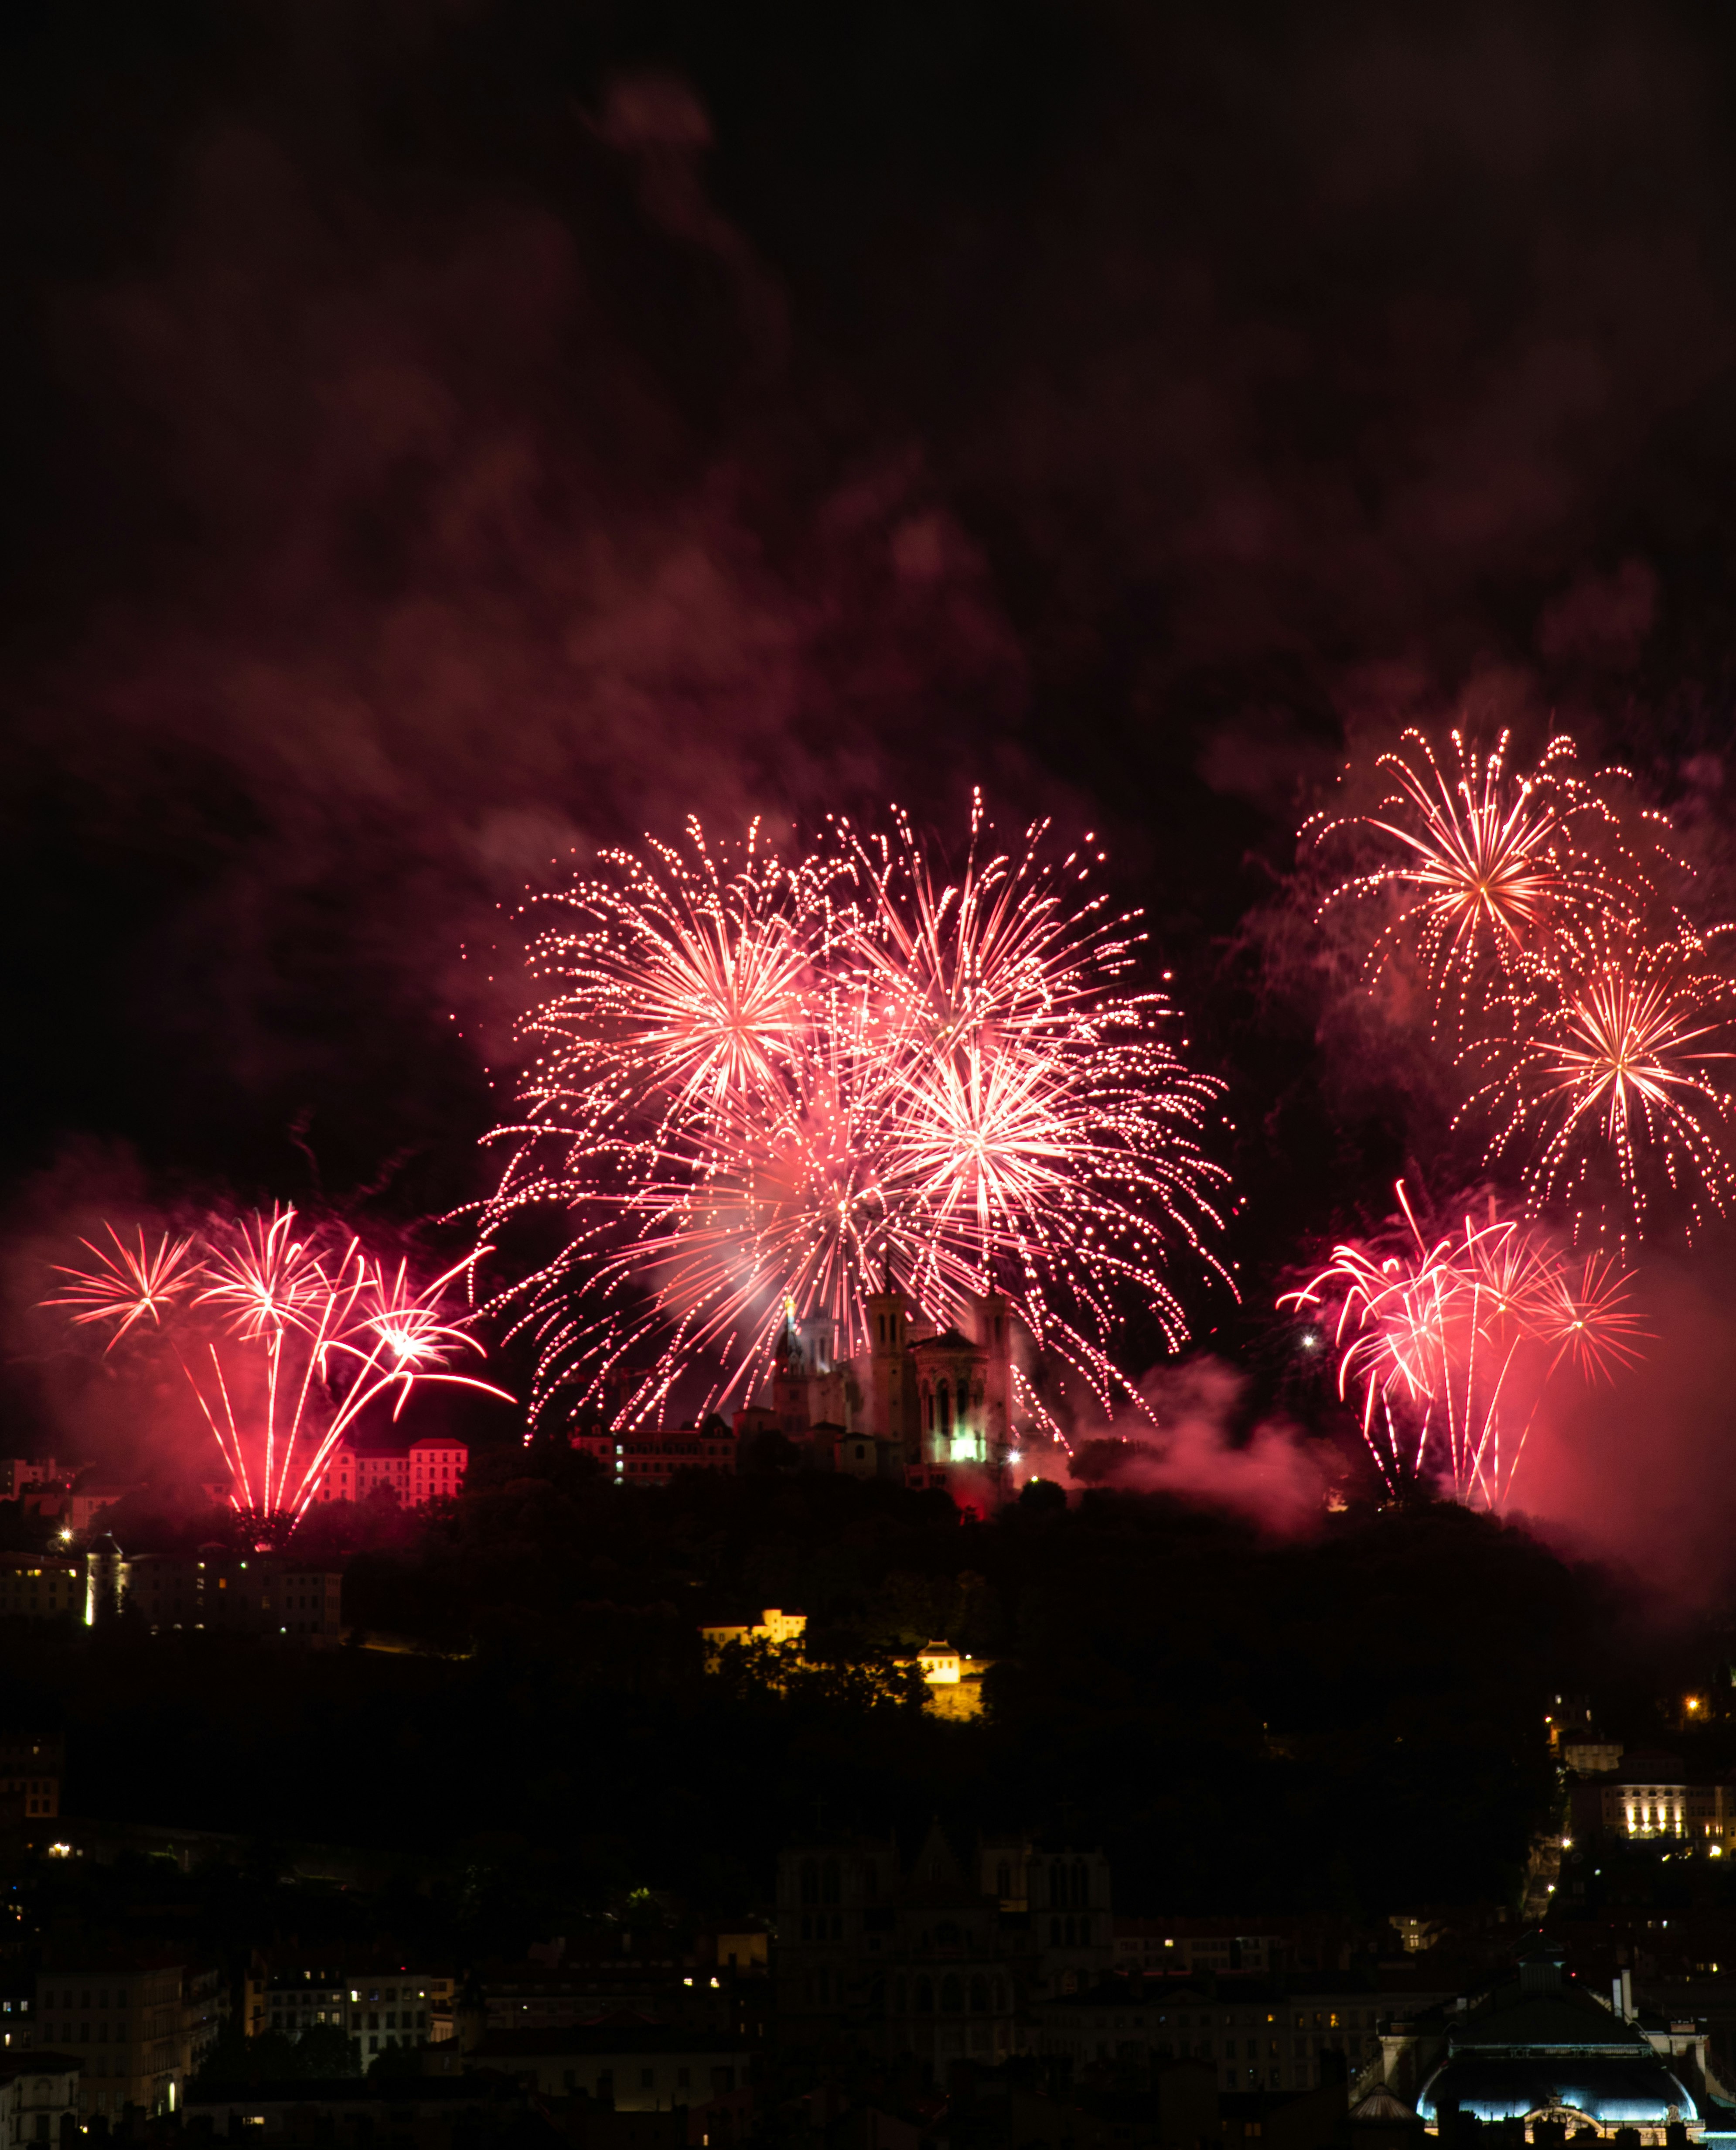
[[994, 1333], [892, 1413]]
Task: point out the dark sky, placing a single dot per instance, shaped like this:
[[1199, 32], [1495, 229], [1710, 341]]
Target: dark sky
[[433, 436]]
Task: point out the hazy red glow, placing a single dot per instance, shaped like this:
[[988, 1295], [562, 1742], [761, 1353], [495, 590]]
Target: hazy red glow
[[285, 1335], [1449, 1343], [757, 1086]]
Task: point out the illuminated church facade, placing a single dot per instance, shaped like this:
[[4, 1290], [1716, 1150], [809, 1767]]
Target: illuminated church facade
[[917, 1405]]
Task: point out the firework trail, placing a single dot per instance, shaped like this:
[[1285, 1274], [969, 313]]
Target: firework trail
[[1447, 1344], [285, 1336], [861, 1060]]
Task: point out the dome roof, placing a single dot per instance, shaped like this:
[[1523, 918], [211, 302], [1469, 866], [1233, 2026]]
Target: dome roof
[[1631, 2090], [1541, 2045]]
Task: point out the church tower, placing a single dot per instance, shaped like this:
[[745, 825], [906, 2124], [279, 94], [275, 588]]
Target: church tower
[[892, 1393], [994, 1333]]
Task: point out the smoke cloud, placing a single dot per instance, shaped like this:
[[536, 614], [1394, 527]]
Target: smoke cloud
[[1270, 1476]]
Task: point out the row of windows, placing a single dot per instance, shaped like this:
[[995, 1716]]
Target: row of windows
[[952, 1995]]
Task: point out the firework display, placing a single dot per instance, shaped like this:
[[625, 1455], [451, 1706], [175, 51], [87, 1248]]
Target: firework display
[[285, 1335], [1447, 1344], [756, 1085], [1542, 915]]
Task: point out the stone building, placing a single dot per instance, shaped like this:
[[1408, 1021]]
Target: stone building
[[915, 1405], [937, 1961], [1540, 2052]]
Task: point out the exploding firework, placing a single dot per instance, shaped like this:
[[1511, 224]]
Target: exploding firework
[[1543, 912], [1448, 1345], [945, 1074], [285, 1336], [1609, 1089], [1482, 870]]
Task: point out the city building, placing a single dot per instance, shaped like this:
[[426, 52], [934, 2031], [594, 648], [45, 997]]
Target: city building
[[42, 1586], [32, 1764], [76, 1511], [380, 2006], [1590, 1754], [18, 1473], [937, 1961], [652, 1455], [1178, 1948], [40, 2100], [781, 1630], [954, 1682], [250, 1593], [915, 1405], [622, 2061], [418, 1472], [136, 2027], [434, 2112], [1538, 2051], [1288, 2034], [649, 1977], [1653, 1795]]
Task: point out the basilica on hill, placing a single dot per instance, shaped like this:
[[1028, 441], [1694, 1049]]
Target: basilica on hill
[[917, 1406]]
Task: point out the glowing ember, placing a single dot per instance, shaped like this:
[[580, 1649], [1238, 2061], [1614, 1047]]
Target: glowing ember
[[285, 1337], [756, 1085]]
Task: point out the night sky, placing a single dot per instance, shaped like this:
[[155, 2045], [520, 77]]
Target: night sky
[[438, 438]]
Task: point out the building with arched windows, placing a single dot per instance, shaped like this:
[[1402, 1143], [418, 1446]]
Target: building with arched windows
[[914, 1406]]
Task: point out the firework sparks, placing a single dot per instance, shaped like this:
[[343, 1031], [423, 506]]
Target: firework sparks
[[1611, 1091], [1448, 1344], [1543, 912], [1491, 865], [285, 1336], [944, 1074]]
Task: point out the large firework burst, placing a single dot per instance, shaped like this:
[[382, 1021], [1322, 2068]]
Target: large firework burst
[[1483, 867], [285, 1334], [942, 1073], [1609, 1087], [1584, 1019]]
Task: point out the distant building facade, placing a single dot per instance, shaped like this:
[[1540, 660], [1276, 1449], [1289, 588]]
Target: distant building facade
[[250, 1593], [32, 1764], [916, 1405], [137, 2029], [418, 1472], [1652, 1796], [379, 2007], [40, 2100], [937, 1961], [652, 1455], [42, 1586]]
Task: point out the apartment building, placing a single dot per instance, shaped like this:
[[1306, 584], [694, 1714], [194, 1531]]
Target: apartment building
[[378, 2006], [42, 1586], [418, 1472], [1256, 2034], [16, 1472], [939, 1960], [651, 1456], [32, 1764], [137, 2028], [257, 1593], [38, 2099], [630, 2064]]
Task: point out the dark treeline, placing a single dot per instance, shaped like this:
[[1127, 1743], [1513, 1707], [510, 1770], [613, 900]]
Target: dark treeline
[[1344, 1723]]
